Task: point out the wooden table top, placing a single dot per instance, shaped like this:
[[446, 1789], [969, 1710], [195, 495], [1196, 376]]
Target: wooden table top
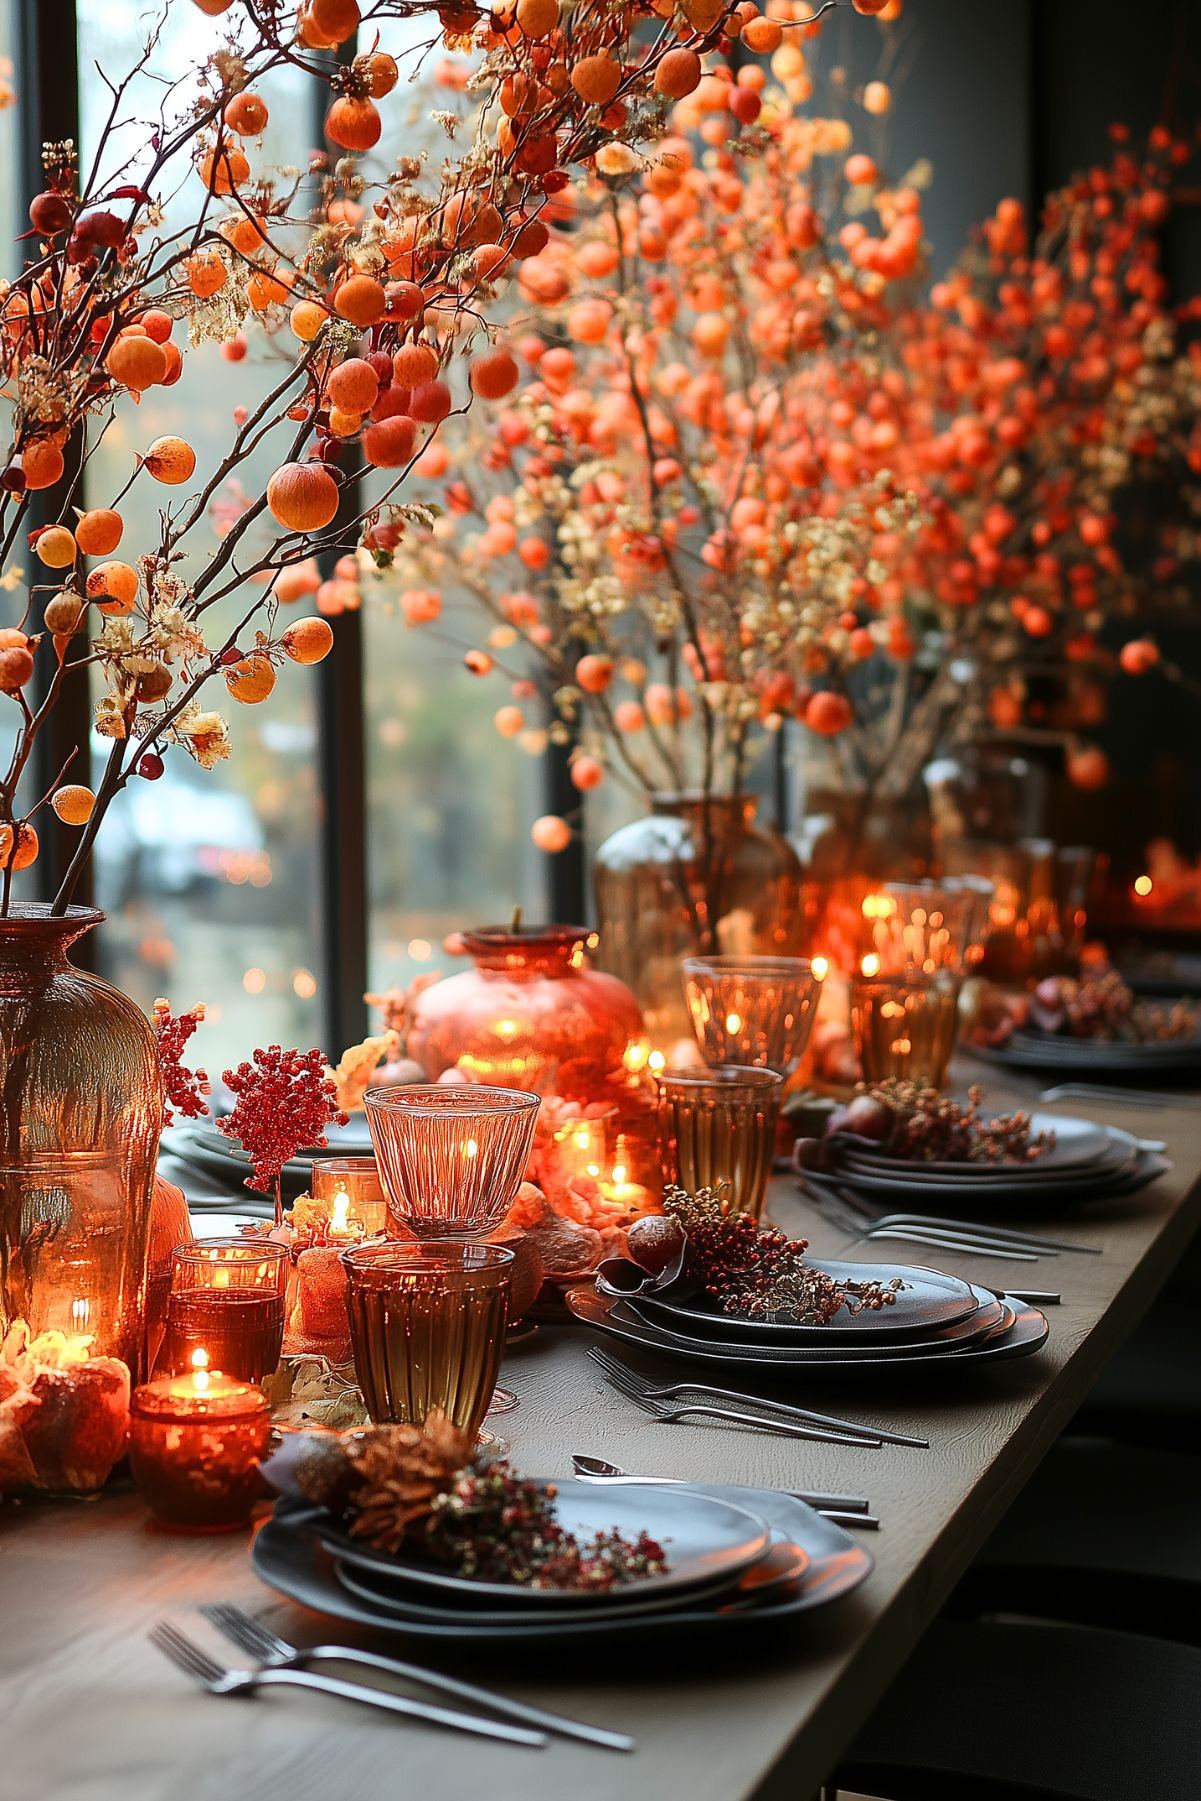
[[89, 1711]]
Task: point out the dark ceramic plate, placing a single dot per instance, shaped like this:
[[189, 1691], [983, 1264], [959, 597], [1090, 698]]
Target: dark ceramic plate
[[783, 1563], [290, 1559], [1023, 1331], [1147, 1165], [929, 1302], [706, 1540], [988, 1316], [1117, 1161], [1079, 1143], [1077, 1057]]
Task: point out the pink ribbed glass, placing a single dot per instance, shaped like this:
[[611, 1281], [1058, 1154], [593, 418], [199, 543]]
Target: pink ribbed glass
[[754, 1011], [452, 1158]]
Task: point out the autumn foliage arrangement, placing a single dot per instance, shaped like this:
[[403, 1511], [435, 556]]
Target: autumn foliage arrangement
[[759, 470], [368, 280]]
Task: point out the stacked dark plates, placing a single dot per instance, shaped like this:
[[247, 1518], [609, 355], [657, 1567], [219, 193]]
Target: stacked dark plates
[[737, 1558], [1051, 1053], [1087, 1162], [199, 1144], [935, 1319]]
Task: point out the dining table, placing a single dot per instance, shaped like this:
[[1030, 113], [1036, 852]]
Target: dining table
[[90, 1710]]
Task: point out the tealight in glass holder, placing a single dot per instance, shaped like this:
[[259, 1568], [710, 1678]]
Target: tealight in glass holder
[[717, 1129], [427, 1322], [195, 1445], [227, 1299], [905, 1025], [756, 1012], [358, 1178], [452, 1158]]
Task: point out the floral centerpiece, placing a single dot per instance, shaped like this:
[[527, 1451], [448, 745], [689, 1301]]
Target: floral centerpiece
[[369, 289]]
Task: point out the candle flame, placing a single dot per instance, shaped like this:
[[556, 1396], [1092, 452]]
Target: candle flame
[[81, 1313], [635, 1055], [820, 967], [620, 1172], [471, 1148], [1143, 884], [583, 1138], [870, 965], [200, 1370], [657, 1060], [340, 1211], [733, 1023]]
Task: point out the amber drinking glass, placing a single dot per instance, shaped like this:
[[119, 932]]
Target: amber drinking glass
[[452, 1158], [358, 1178], [227, 1299], [905, 1025], [923, 926], [427, 1323], [756, 1012], [717, 1128]]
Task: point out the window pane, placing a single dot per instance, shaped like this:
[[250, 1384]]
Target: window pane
[[209, 878], [449, 803]]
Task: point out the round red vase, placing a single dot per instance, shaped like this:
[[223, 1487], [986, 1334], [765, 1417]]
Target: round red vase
[[531, 1014]]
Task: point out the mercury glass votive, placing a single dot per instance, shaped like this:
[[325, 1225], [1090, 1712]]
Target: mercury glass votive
[[227, 1299], [427, 1325], [358, 1178], [756, 1012], [195, 1444], [717, 1128], [452, 1157], [905, 1025]]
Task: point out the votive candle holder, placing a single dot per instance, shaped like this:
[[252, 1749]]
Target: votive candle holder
[[227, 1299], [717, 1129], [427, 1327], [358, 1178], [195, 1445]]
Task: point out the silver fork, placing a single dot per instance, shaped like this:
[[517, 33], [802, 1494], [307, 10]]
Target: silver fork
[[633, 1391], [220, 1681], [273, 1652], [1022, 1246], [1123, 1097], [634, 1385]]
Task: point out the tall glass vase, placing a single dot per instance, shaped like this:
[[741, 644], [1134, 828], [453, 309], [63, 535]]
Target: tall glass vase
[[80, 1116], [696, 876]]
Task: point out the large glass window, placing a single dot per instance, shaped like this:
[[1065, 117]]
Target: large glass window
[[209, 878]]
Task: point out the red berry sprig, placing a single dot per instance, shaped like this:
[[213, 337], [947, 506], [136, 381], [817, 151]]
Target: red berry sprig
[[283, 1102], [184, 1089]]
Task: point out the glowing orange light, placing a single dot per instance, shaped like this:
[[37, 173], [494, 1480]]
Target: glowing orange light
[[1143, 884], [820, 967], [870, 964]]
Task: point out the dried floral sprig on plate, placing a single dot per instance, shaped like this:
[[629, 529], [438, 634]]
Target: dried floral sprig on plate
[[283, 1101], [1101, 1006], [913, 1121], [756, 1272], [427, 1490], [186, 1090], [698, 1245]]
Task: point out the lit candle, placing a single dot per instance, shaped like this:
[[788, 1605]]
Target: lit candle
[[358, 1179], [195, 1442]]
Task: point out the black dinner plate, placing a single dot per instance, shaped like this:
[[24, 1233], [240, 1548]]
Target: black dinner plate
[[928, 1301], [1147, 1165], [988, 1316], [1025, 1333], [1078, 1057], [1079, 1145], [706, 1541], [289, 1558], [781, 1564]]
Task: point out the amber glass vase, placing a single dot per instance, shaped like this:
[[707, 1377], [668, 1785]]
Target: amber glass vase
[[694, 878], [80, 1116]]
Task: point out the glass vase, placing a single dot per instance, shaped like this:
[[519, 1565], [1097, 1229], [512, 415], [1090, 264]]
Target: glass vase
[[695, 877], [80, 1116]]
